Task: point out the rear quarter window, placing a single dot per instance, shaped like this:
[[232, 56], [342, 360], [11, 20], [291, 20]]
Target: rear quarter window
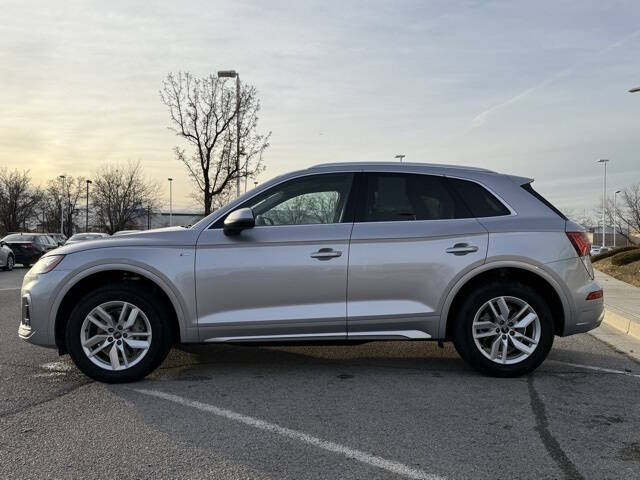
[[480, 201]]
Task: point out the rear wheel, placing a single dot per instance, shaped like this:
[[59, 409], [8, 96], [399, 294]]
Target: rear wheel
[[118, 333], [504, 329]]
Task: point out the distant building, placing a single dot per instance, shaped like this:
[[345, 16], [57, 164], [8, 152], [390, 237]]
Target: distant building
[[621, 240]]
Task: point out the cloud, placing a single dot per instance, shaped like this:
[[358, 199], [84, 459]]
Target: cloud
[[483, 116]]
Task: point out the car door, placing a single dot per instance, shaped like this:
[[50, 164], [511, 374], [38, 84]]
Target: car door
[[412, 237], [285, 278]]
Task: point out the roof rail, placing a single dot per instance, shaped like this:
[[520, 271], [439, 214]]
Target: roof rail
[[399, 164]]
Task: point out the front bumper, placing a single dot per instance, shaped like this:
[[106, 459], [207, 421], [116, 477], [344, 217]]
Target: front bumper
[[37, 296]]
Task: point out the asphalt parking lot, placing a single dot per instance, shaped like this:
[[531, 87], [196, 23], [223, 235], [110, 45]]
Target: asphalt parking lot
[[375, 411]]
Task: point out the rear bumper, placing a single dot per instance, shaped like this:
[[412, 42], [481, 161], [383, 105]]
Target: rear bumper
[[587, 319], [26, 259], [582, 315]]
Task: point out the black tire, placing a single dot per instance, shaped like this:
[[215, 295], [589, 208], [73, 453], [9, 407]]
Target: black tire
[[143, 298], [10, 263], [463, 331]]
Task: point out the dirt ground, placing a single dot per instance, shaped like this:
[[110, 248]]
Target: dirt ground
[[627, 273]]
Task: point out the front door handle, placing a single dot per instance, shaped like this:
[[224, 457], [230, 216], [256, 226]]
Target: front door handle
[[326, 254], [462, 249]]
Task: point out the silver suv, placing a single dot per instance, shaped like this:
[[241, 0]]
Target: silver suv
[[346, 252]]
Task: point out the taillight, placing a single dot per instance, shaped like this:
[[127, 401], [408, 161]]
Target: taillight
[[27, 245], [580, 242]]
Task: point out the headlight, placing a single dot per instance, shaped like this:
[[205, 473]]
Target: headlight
[[46, 264]]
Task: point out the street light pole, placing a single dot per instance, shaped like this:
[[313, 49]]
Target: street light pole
[[86, 226], [401, 157], [62, 205], [615, 216], [236, 75], [170, 201], [635, 89], [604, 200]]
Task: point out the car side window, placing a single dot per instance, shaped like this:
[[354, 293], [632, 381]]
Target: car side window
[[478, 199], [400, 197], [314, 199]]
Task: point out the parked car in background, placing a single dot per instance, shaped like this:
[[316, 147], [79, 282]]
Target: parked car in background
[[83, 237], [50, 240], [340, 252], [597, 250], [28, 247], [125, 232], [59, 238], [7, 258]]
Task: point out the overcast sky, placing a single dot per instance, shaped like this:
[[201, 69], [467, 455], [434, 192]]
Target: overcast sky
[[530, 88]]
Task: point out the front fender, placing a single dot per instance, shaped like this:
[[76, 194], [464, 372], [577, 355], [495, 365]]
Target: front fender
[[179, 287]]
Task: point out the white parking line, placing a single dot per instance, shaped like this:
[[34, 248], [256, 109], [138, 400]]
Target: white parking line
[[7, 289], [367, 458], [597, 369]]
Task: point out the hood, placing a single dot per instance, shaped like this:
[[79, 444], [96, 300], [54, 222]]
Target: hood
[[169, 236]]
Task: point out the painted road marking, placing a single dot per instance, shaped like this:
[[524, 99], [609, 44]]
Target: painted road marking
[[366, 458], [7, 289], [594, 368]]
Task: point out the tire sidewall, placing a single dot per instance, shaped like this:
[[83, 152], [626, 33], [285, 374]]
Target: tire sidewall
[[469, 351], [143, 299]]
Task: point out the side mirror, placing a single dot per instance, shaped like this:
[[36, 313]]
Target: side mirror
[[239, 220]]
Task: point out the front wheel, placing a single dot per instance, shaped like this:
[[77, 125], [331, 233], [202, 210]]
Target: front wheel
[[118, 333], [504, 329], [10, 263]]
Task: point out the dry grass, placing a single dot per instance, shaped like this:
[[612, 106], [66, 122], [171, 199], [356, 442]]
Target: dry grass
[[627, 273]]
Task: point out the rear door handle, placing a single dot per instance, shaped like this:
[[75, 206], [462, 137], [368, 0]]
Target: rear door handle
[[326, 254], [462, 249]]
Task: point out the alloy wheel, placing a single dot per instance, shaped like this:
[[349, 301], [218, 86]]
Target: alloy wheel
[[506, 330], [115, 335]]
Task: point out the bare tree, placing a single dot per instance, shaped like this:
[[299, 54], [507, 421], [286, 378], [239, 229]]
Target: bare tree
[[203, 113], [52, 198], [121, 197], [624, 217], [18, 199], [629, 213]]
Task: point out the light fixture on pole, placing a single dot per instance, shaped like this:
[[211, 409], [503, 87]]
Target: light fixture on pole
[[604, 200], [401, 157], [62, 205], [615, 216], [635, 89], [236, 75], [170, 201], [86, 225]]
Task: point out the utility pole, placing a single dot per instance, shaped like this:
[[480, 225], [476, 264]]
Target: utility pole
[[86, 225], [63, 177], [236, 75], [170, 201], [615, 217], [401, 157], [604, 201]]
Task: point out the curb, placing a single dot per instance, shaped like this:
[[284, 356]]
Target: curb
[[624, 324]]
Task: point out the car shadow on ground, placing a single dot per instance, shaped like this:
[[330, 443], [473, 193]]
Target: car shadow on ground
[[200, 360]]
